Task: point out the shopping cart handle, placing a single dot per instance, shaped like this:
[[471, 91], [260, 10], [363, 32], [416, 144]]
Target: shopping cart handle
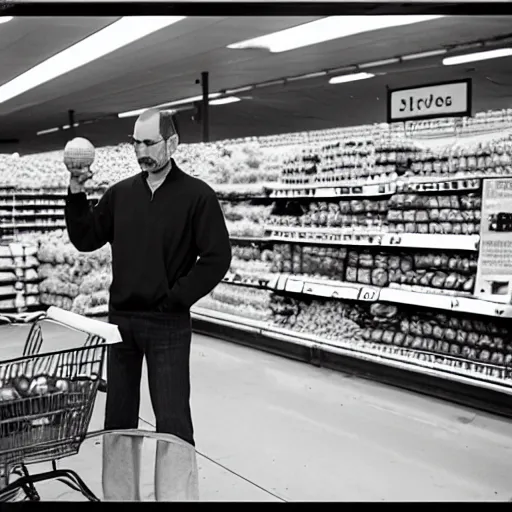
[[24, 318]]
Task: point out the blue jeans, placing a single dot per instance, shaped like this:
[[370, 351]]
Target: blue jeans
[[164, 339]]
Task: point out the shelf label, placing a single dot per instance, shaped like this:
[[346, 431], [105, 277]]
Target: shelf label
[[369, 294], [455, 303], [294, 286], [281, 283], [395, 240]]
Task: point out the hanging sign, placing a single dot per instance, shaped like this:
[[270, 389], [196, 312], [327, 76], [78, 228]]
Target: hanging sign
[[448, 99], [494, 275]]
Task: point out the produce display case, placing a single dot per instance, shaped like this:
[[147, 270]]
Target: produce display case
[[19, 278], [353, 248]]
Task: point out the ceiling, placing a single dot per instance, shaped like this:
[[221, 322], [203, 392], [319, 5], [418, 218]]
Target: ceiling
[[165, 65]]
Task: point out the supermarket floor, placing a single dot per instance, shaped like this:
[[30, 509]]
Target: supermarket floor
[[271, 429]]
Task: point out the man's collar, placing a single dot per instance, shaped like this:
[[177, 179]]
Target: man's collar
[[172, 171]]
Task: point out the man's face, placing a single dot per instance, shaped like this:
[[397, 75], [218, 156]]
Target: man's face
[[150, 147]]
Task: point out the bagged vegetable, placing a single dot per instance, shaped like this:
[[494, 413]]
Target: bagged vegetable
[[398, 338], [383, 310], [364, 276], [387, 337], [427, 329], [379, 277], [435, 228], [438, 280], [417, 342], [409, 216], [408, 340], [395, 215], [376, 335], [472, 339], [351, 276], [406, 263], [454, 349], [405, 326], [432, 202], [421, 216], [444, 202]]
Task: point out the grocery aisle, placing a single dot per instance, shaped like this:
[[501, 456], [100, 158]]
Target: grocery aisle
[[305, 433]]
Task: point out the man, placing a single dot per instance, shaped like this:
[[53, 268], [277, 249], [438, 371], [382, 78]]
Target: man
[[158, 222]]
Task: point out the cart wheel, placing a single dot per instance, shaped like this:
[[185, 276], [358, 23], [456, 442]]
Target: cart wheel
[[31, 492], [29, 488]]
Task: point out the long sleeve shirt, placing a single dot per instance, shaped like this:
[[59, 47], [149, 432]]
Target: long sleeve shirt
[[169, 247]]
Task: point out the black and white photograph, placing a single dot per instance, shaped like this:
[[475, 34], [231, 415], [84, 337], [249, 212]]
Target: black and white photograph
[[256, 252]]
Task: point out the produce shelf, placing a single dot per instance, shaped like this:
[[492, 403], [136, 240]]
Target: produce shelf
[[456, 304], [468, 386], [20, 280], [32, 225], [483, 374], [324, 192], [333, 236], [430, 184], [249, 239], [245, 281], [7, 291], [34, 193], [322, 288], [36, 214], [351, 291], [32, 204], [242, 191], [15, 249]]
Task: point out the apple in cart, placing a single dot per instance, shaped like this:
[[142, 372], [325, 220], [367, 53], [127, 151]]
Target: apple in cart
[[8, 393], [39, 386], [22, 385], [62, 385]]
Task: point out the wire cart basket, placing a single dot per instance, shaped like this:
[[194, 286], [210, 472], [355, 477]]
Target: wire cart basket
[[46, 405]]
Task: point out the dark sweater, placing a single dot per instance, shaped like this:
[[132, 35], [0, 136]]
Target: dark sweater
[[156, 240]]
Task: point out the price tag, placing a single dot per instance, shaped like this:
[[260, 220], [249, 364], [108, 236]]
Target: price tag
[[368, 294], [455, 304], [499, 312], [281, 283], [395, 240], [294, 286]]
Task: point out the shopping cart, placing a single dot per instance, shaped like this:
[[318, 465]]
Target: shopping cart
[[46, 404]]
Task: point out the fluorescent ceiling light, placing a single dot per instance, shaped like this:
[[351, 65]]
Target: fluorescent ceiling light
[[225, 101], [50, 130], [326, 29], [350, 78], [5, 19], [115, 36], [424, 55], [176, 103], [473, 57]]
